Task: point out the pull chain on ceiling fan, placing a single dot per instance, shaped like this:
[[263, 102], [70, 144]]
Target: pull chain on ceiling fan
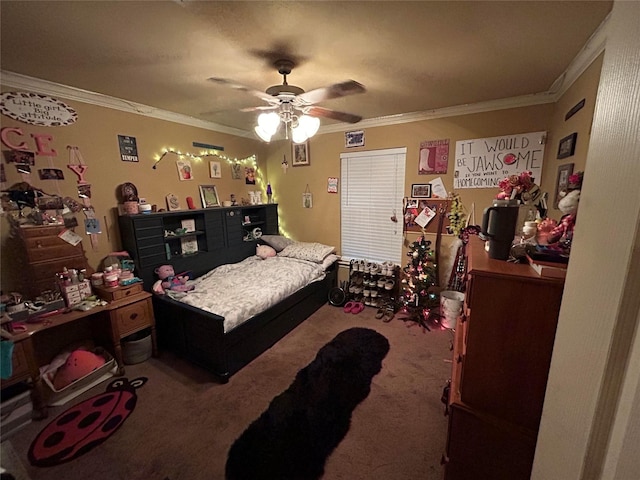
[[294, 107]]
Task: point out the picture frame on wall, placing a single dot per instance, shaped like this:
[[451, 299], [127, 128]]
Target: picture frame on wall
[[421, 190], [209, 196], [354, 139], [215, 171], [562, 181], [567, 146], [300, 154]]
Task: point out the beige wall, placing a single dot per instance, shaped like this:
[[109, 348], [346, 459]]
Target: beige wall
[[95, 133]]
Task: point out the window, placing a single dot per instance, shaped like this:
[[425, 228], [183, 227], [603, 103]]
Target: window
[[372, 193]]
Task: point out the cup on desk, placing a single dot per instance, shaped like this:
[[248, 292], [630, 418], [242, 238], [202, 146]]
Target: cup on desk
[[227, 203]]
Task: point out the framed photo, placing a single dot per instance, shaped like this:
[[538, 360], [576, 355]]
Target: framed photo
[[300, 154], [354, 139], [411, 203], [214, 170], [567, 146], [562, 182], [209, 196], [421, 190]]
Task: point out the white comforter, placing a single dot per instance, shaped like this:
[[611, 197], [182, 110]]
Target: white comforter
[[242, 290]]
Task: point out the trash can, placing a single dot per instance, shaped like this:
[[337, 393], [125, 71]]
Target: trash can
[[136, 348]]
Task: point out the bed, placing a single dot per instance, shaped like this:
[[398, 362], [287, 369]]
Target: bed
[[239, 310]]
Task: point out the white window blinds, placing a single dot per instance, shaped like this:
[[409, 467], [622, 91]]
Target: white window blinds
[[372, 192]]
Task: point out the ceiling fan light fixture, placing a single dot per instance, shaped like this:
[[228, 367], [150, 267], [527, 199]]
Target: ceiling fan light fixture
[[269, 123], [309, 124], [298, 135], [264, 136]]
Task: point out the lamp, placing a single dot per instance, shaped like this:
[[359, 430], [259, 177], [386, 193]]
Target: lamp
[[302, 127]]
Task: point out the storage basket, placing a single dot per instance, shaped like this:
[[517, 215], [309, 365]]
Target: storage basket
[[136, 348]]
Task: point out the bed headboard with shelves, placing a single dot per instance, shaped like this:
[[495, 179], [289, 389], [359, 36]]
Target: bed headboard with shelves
[[194, 240]]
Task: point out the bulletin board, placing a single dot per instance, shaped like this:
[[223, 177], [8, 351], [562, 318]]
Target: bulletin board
[[440, 206]]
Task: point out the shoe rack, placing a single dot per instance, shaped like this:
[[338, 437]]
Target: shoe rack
[[373, 284]]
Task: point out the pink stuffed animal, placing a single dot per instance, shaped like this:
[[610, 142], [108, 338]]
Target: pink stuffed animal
[[169, 280]]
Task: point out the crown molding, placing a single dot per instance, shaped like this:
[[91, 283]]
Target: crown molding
[[23, 82], [594, 47], [585, 57], [468, 109]]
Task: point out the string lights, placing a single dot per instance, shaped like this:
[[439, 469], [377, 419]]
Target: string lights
[[251, 160]]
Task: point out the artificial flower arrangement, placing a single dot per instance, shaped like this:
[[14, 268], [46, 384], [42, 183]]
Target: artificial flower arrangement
[[513, 186], [523, 188]]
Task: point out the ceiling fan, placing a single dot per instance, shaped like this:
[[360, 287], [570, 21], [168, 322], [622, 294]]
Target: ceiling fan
[[293, 106]]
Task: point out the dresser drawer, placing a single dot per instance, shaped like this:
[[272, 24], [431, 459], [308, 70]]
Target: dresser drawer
[[43, 253], [133, 317], [118, 293], [46, 271]]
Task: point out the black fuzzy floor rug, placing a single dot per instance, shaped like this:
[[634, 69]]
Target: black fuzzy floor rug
[[294, 437]]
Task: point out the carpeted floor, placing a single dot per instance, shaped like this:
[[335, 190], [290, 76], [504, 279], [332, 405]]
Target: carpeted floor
[[184, 424]]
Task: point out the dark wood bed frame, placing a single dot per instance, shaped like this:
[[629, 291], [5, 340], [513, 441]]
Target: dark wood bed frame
[[195, 334]]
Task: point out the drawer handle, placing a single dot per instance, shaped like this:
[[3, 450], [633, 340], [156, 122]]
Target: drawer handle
[[459, 358], [38, 244], [128, 292], [133, 316]]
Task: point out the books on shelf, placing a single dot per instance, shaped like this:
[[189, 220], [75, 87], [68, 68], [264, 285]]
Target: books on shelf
[[548, 269]]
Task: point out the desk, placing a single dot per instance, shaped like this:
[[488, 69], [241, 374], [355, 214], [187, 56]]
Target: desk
[[106, 324]]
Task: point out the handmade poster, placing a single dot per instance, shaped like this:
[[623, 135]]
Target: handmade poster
[[434, 157], [236, 171], [483, 162]]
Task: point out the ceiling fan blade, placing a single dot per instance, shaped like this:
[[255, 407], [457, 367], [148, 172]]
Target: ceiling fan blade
[[243, 88], [325, 112], [262, 107], [350, 87]]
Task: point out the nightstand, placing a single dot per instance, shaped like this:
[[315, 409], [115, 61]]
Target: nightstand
[[130, 310]]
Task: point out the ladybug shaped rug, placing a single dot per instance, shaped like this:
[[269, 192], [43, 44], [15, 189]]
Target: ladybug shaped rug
[[86, 425]]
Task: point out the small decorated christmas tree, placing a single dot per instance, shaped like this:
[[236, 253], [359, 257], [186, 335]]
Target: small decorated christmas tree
[[416, 298]]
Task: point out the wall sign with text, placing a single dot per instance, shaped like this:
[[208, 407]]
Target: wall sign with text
[[483, 162], [36, 109]]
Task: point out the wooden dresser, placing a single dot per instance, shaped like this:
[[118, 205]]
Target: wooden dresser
[[502, 352], [45, 254]]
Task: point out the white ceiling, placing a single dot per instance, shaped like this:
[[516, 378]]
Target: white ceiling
[[411, 56]]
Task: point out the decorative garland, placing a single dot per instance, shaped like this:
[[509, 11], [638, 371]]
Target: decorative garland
[[457, 217]]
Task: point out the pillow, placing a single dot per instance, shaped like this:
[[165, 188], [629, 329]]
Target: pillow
[[329, 260], [265, 251], [278, 242], [311, 251]]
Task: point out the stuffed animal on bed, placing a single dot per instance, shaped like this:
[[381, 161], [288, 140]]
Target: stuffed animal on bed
[[170, 281]]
